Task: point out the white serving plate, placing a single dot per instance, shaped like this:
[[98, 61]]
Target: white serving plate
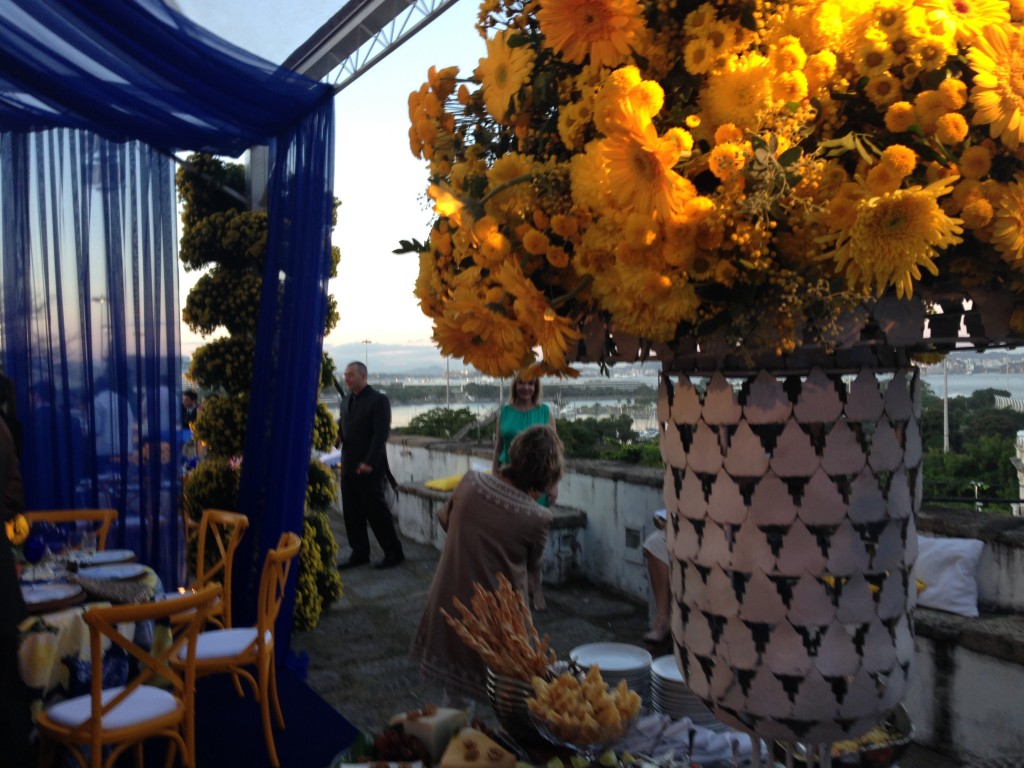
[[612, 657], [114, 572], [39, 594], [106, 557]]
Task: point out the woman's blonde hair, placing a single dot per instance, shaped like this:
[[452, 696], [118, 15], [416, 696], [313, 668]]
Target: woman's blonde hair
[[535, 462], [535, 400]]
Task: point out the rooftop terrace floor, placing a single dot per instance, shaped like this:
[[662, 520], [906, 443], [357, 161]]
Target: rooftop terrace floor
[[359, 654]]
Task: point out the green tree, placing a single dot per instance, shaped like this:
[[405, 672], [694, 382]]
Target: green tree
[[440, 422]]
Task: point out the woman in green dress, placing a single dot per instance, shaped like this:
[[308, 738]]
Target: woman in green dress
[[523, 410]]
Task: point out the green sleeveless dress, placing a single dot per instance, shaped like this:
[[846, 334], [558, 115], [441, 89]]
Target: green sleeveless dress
[[514, 421]]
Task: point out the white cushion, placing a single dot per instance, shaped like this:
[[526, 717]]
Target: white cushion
[[223, 643], [144, 703], [948, 568]]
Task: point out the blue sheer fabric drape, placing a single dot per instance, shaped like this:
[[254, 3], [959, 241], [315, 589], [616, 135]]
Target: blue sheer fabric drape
[[136, 71], [90, 331]]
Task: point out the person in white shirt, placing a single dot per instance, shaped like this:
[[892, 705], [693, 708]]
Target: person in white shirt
[[112, 436]]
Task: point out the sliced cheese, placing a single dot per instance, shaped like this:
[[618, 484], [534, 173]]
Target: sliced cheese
[[472, 749], [434, 726]]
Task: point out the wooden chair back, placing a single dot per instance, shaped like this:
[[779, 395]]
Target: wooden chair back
[[152, 667], [273, 581], [105, 518], [220, 532]]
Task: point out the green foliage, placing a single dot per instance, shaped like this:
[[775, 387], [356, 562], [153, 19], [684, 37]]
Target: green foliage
[[220, 424], [224, 297], [321, 490], [325, 429], [332, 316], [201, 187], [327, 371], [641, 454], [440, 422], [213, 484], [233, 239], [982, 445], [319, 583], [224, 364], [592, 438]]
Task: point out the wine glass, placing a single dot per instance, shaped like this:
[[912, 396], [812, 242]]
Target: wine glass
[[34, 550], [578, 740]]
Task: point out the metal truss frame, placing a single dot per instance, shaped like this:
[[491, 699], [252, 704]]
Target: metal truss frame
[[361, 34]]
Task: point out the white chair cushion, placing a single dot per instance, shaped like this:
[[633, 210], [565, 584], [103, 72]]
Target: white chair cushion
[[949, 569], [144, 703], [223, 643]]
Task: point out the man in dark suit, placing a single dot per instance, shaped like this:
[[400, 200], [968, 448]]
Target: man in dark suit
[[15, 718], [365, 424]]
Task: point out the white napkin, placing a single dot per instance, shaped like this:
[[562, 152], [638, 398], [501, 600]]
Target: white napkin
[[658, 736]]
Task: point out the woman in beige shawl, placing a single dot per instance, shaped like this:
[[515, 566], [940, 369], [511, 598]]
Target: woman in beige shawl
[[494, 525]]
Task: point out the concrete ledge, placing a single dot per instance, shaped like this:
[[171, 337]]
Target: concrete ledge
[[1000, 636], [418, 506]]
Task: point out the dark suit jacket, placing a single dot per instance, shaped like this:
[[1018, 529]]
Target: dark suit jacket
[[12, 606], [365, 424]]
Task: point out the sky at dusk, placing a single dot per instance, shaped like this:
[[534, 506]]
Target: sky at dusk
[[380, 184]]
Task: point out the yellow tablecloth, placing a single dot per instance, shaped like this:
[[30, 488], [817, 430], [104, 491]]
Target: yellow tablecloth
[[54, 657]]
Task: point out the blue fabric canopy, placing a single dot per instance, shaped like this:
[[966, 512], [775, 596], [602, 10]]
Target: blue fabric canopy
[[94, 95]]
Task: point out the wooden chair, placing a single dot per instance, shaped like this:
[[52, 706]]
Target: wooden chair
[[157, 702], [105, 518], [219, 535], [233, 651]]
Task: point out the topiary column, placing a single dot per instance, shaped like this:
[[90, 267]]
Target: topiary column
[[220, 234]]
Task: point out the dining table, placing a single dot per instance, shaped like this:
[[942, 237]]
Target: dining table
[[54, 654]]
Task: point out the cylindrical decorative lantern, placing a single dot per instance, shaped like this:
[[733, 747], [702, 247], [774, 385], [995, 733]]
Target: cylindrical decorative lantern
[[792, 500]]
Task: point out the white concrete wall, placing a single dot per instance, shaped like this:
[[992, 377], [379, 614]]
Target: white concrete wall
[[619, 510], [976, 712]]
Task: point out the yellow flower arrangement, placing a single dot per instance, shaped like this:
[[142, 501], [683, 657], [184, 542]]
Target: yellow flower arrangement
[[740, 171]]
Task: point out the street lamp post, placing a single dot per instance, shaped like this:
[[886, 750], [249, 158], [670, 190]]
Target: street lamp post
[[366, 352]]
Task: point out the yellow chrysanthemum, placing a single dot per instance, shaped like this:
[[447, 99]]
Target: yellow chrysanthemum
[[820, 68], [727, 132], [727, 161], [602, 30], [627, 103], [900, 158], [1008, 228], [930, 52], [899, 117], [977, 213], [741, 93], [884, 89], [509, 184], [951, 128], [535, 242], [882, 178], [790, 87], [975, 162], [502, 73], [997, 58], [968, 17], [788, 54], [953, 92], [699, 56], [894, 236], [557, 257], [874, 55]]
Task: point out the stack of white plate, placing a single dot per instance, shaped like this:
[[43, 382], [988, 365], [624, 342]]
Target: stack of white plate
[[670, 696], [617, 661]]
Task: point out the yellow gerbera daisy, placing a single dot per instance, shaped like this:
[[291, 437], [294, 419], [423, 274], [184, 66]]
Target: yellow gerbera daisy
[[894, 235], [502, 73], [969, 17], [1008, 228], [602, 30], [640, 175], [997, 58]]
